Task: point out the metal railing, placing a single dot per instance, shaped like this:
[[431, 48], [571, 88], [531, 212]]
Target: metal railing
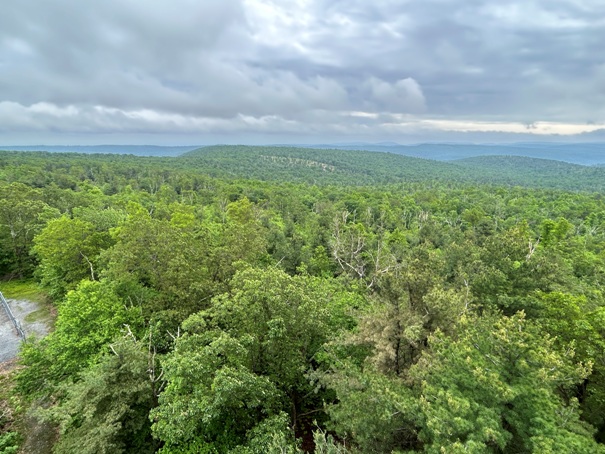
[[7, 308]]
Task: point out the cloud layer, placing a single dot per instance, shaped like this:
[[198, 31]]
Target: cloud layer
[[316, 69]]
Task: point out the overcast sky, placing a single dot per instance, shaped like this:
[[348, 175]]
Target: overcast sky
[[271, 71]]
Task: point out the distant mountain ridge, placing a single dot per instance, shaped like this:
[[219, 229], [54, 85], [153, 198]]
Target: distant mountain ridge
[[521, 170], [137, 150], [362, 167], [576, 153], [585, 153], [337, 167]]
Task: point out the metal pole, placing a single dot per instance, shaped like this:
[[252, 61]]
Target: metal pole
[[7, 308]]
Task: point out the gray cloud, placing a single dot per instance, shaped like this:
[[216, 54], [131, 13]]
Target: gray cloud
[[327, 68]]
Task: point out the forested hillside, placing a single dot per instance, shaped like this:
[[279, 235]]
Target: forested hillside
[[358, 167], [584, 153], [277, 300], [536, 172]]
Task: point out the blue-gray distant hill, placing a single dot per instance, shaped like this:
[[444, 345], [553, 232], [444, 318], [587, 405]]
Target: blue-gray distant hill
[[137, 150], [576, 153], [586, 154]]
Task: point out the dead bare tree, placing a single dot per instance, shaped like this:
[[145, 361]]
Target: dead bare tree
[[357, 253]]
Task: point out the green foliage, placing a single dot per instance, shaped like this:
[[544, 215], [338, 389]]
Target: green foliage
[[376, 318], [374, 412], [22, 215], [354, 167], [157, 254], [494, 388], [88, 318], [288, 319], [154, 254], [11, 410], [68, 251], [239, 237], [325, 444], [244, 359], [272, 436], [9, 443], [211, 394], [106, 410], [578, 323], [534, 172]]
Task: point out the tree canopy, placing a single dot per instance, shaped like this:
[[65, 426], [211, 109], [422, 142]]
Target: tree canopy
[[251, 300]]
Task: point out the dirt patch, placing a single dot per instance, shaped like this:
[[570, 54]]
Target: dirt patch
[[41, 435], [7, 367], [34, 320]]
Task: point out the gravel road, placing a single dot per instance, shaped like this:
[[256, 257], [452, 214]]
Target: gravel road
[[33, 327]]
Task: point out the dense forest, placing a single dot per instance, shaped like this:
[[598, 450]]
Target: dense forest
[[253, 300], [583, 153]]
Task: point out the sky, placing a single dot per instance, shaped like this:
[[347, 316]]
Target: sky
[[300, 71]]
